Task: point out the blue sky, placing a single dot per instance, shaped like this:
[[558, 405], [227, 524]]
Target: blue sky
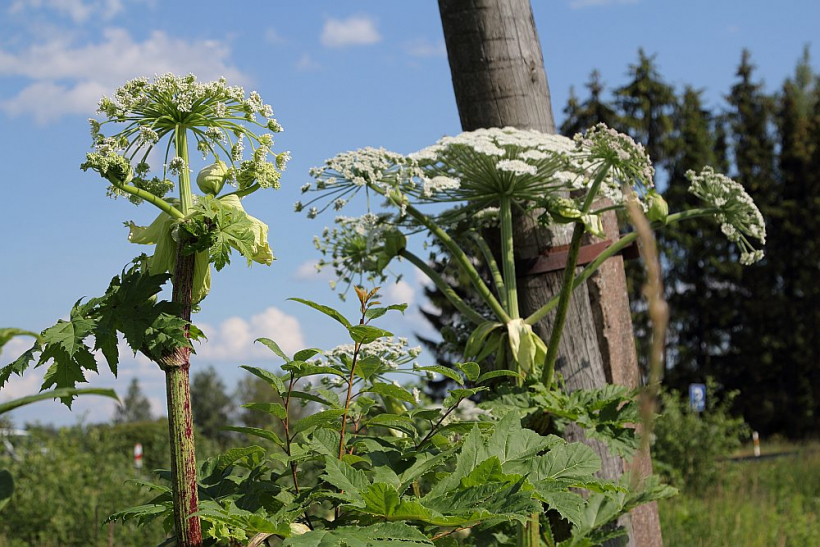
[[340, 75]]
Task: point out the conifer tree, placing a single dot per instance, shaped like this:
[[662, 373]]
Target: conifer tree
[[135, 406], [582, 116]]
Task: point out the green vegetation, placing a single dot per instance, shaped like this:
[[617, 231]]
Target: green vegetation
[[762, 503]]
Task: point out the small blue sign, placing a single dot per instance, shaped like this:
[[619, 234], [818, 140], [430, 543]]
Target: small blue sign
[[697, 397]]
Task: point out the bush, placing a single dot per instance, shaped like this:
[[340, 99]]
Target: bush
[[689, 446]]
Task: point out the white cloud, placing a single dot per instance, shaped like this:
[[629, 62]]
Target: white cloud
[[422, 279], [576, 4], [357, 30], [17, 386], [306, 63], [273, 37], [69, 78], [399, 293], [233, 339], [78, 11], [425, 48], [307, 271]]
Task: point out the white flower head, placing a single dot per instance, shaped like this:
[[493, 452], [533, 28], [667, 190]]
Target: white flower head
[[738, 215]]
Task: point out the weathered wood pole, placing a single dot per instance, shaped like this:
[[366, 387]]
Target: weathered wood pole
[[499, 80]]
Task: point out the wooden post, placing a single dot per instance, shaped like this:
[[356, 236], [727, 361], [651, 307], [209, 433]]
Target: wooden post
[[499, 80]]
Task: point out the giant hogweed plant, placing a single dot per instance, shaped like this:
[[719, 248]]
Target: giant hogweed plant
[[375, 466], [162, 120], [486, 176]]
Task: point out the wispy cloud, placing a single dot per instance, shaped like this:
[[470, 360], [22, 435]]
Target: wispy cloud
[[308, 271], [357, 30], [577, 4], [273, 37], [66, 77], [422, 47], [233, 339], [78, 11], [306, 63]]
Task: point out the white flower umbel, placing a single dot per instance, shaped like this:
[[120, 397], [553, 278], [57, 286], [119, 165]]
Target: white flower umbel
[[353, 247], [392, 355], [219, 117], [629, 165], [739, 217]]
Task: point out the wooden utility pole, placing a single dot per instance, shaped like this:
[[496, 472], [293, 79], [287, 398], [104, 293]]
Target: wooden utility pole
[[499, 80]]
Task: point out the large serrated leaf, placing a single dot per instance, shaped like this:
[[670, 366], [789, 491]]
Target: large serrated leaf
[[387, 534], [257, 432]]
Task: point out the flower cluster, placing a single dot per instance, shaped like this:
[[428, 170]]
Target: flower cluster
[[218, 116], [629, 165], [738, 215], [358, 246], [489, 163], [393, 355]]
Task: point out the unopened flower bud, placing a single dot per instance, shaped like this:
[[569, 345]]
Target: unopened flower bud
[[657, 209], [212, 178]]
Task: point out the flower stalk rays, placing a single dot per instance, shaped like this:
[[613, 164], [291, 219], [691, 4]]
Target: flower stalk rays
[[487, 174]]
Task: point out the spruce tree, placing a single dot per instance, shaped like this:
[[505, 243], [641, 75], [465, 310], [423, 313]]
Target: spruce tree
[[582, 116], [212, 407], [135, 406]]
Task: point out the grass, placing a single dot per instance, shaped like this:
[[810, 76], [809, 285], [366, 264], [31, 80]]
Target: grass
[[767, 503]]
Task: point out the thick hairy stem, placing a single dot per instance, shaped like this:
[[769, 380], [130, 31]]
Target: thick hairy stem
[[180, 418], [177, 376], [442, 285], [508, 258]]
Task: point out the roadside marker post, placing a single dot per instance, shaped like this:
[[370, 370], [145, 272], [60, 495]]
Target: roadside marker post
[[138, 456]]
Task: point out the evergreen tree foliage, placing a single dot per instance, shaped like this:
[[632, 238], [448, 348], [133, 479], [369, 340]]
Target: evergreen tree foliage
[[135, 406], [212, 407], [581, 116]]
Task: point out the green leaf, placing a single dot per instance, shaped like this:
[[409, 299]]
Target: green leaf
[[387, 534], [510, 441], [344, 477], [6, 488], [320, 419], [19, 365], [305, 354], [368, 366], [569, 505], [365, 334], [444, 371], [456, 395], [274, 347], [393, 421], [330, 312], [273, 380], [569, 461], [300, 369], [473, 452], [476, 340], [55, 394], [391, 390], [497, 374], [375, 313], [275, 409], [470, 369], [257, 432]]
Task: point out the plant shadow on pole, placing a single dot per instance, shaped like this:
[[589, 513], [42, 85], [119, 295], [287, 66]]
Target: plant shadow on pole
[[169, 115]]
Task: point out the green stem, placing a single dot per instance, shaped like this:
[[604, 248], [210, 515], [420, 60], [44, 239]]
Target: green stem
[[508, 257], [611, 251], [498, 280], [158, 202], [444, 287], [180, 417], [186, 198], [463, 261], [529, 535], [567, 284], [242, 193]]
